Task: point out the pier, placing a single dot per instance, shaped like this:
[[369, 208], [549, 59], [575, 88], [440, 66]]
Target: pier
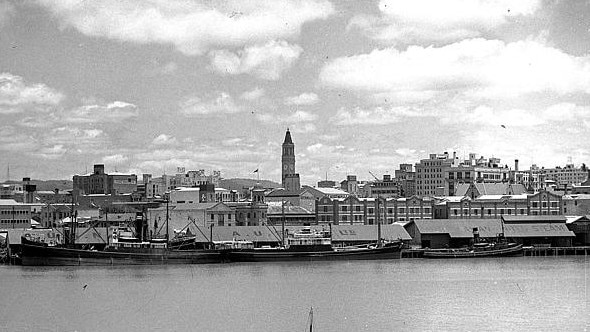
[[556, 251]]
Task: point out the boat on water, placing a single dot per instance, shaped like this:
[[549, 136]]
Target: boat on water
[[311, 245], [124, 249], [500, 247], [477, 250]]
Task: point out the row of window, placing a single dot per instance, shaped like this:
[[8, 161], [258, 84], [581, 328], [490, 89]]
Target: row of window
[[15, 212], [357, 208], [15, 221]]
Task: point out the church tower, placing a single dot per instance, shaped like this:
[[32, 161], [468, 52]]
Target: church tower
[[290, 179]]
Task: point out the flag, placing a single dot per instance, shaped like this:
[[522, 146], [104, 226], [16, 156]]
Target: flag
[[256, 171]]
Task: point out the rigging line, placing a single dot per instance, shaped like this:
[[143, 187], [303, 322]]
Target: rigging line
[[198, 228], [276, 233]]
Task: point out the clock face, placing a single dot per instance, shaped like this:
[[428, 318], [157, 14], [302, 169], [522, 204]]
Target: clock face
[[285, 167]]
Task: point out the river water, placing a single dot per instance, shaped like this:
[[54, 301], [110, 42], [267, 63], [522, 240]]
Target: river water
[[495, 294]]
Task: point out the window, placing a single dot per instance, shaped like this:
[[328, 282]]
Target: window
[[489, 212], [455, 211], [228, 216], [212, 217], [501, 211], [535, 204], [521, 211]]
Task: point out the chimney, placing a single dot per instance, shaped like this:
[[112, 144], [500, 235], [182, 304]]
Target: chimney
[[516, 165], [98, 168]]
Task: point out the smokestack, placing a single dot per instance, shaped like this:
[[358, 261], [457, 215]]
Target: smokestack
[[516, 165]]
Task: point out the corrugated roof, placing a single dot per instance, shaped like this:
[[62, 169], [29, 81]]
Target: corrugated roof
[[463, 228]]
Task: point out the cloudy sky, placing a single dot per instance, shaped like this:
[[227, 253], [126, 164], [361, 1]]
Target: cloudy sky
[[146, 86]]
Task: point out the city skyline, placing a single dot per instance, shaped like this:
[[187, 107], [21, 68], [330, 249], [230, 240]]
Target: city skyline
[[146, 87]]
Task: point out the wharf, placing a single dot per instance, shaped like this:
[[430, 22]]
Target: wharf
[[412, 253], [556, 251]]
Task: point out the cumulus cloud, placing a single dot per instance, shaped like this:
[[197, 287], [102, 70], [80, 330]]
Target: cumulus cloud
[[308, 98], [113, 112], [222, 103], [114, 159], [295, 117], [17, 96], [51, 152], [425, 22], [266, 61], [254, 94], [477, 67], [164, 139], [192, 27], [374, 116]]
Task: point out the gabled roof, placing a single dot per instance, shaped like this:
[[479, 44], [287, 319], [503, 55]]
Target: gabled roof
[[489, 228], [491, 188]]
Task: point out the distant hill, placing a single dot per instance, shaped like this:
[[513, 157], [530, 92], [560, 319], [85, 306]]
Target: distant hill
[[241, 184], [49, 184], [53, 184]]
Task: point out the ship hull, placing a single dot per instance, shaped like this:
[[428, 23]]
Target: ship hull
[[282, 255], [510, 250], [33, 255]]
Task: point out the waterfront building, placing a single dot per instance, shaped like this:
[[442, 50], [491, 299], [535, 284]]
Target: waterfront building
[[303, 198], [496, 206], [289, 178], [580, 226], [283, 212], [406, 180], [526, 230], [576, 204], [474, 190], [100, 182], [14, 214], [366, 211]]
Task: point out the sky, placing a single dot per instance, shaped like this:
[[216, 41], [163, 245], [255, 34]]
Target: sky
[[151, 85]]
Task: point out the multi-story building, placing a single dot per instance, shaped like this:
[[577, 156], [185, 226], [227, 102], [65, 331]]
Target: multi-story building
[[195, 178], [568, 175], [350, 185], [386, 188], [14, 214], [367, 211], [406, 180], [100, 182], [430, 174], [475, 170], [496, 206]]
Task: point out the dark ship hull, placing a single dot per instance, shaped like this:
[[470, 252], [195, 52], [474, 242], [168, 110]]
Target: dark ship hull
[[390, 251], [35, 255]]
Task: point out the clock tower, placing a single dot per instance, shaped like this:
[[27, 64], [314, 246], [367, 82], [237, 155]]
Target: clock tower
[[290, 179]]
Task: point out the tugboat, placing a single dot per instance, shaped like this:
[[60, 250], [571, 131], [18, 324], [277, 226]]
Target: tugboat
[[500, 247]]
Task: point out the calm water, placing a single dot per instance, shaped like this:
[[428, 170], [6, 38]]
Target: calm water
[[507, 294]]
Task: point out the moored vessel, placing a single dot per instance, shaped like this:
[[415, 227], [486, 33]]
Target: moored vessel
[[310, 245], [124, 250], [500, 247]]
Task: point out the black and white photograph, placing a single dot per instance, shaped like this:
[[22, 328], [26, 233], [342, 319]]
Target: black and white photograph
[[294, 165]]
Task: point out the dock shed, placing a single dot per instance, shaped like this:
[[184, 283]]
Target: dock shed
[[454, 233]]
